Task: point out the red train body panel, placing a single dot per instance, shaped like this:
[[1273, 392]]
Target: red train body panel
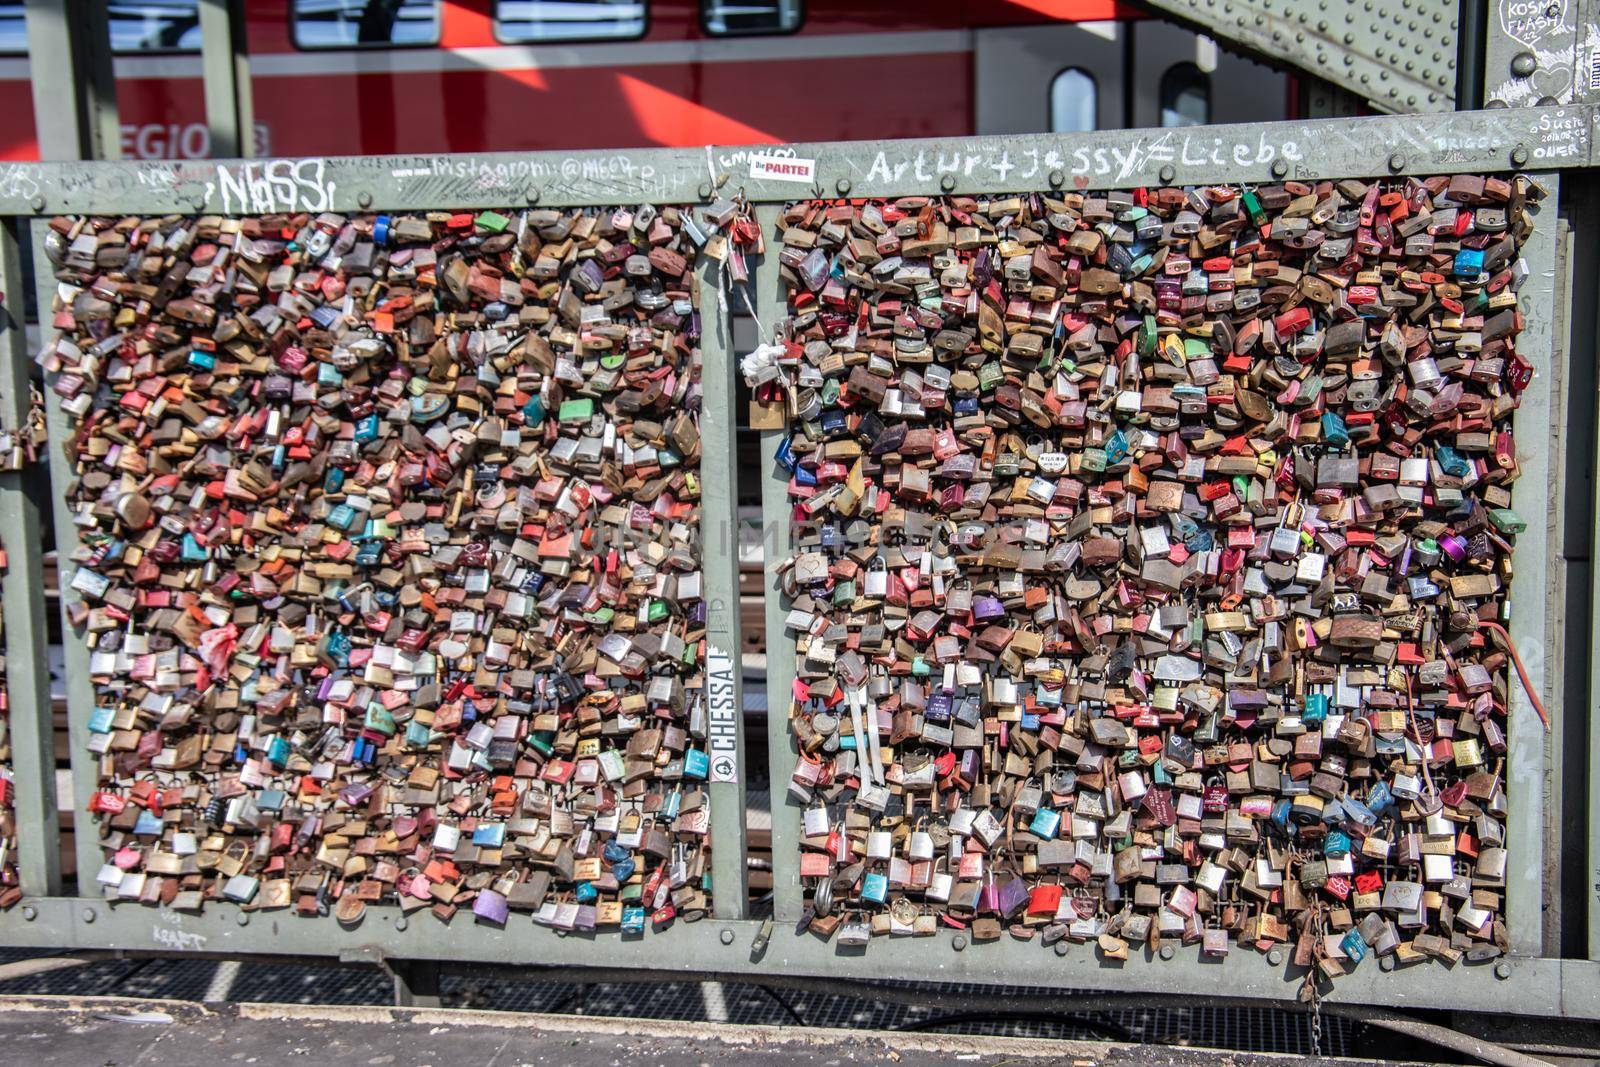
[[851, 71]]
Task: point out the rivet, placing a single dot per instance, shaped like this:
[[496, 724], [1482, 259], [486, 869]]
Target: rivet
[[364, 198], [1495, 105], [1519, 156], [1524, 64], [1167, 952], [705, 190], [38, 203], [1061, 947], [1279, 168], [1502, 970], [1057, 179], [244, 918], [401, 923], [30, 913], [948, 182], [843, 186], [88, 915], [958, 942], [1546, 101], [532, 195], [1385, 963], [1397, 163], [1275, 956], [1167, 174], [727, 937]]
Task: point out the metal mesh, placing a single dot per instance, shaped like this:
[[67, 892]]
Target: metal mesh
[[1242, 1029]]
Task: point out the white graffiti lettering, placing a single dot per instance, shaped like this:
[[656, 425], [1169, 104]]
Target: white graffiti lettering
[[277, 185]]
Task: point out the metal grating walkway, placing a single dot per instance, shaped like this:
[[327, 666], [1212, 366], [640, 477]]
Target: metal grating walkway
[[1240, 1029]]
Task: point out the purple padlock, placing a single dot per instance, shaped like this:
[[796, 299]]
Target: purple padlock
[[986, 607], [491, 906], [586, 917], [1011, 896]]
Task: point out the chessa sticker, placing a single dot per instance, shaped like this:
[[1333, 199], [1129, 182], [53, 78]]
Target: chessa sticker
[[783, 169], [723, 735]]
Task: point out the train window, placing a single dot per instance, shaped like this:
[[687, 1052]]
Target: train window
[[150, 26], [736, 18], [1185, 96], [532, 21], [364, 23], [154, 26], [13, 30], [1074, 96]]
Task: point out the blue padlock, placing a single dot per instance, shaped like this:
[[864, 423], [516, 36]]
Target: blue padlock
[[1045, 823], [193, 550], [1334, 434], [875, 887]]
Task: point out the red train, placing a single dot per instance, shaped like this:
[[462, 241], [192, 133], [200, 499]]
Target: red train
[[421, 76]]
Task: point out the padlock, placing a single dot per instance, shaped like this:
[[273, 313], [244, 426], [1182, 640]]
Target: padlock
[[333, 509]]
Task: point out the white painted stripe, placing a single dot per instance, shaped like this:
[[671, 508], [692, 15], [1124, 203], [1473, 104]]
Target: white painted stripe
[[715, 1004], [545, 57], [221, 987]]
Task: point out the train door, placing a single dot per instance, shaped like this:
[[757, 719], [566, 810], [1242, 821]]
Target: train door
[[1114, 75], [1060, 78], [1181, 78]]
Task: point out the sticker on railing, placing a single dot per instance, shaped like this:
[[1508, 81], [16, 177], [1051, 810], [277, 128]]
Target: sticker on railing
[[784, 169], [722, 705]]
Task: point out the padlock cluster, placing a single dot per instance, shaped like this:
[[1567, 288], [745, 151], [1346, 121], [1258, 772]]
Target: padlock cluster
[[23, 445], [390, 564], [1151, 554], [10, 887]]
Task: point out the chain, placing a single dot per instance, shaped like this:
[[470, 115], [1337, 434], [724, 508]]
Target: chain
[[1316, 1019]]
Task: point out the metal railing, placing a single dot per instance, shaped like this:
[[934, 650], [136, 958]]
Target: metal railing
[[1543, 141]]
